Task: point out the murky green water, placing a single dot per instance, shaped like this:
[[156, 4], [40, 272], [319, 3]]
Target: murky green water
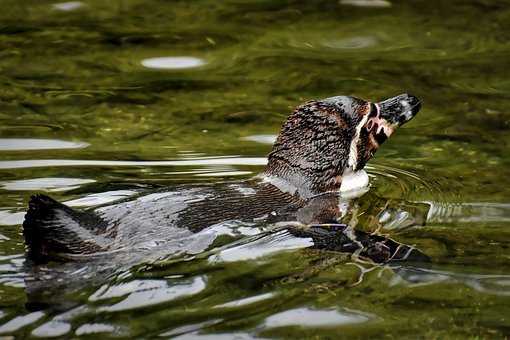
[[88, 116]]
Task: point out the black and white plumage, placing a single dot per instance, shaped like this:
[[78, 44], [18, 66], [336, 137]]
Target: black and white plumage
[[320, 143]]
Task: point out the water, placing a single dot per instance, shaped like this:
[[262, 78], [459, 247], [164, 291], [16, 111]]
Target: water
[[100, 100]]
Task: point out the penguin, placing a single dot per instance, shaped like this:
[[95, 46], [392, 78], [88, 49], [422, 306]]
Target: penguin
[[318, 158]]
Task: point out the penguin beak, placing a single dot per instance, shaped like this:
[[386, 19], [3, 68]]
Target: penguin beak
[[389, 114], [400, 109]]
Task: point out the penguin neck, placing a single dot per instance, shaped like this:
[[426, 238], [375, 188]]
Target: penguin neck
[[351, 183], [305, 183]]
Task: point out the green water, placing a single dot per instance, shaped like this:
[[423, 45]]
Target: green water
[[75, 77]]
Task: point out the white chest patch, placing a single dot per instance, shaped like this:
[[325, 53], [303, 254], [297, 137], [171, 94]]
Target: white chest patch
[[354, 181], [353, 150]]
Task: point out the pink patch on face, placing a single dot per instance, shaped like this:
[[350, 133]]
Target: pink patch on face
[[380, 123]]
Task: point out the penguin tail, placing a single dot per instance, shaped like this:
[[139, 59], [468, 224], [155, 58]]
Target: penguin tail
[[53, 230]]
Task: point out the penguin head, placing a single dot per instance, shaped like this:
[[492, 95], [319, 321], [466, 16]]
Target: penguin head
[[381, 122], [324, 139]]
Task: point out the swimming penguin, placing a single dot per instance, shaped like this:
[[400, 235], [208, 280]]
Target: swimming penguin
[[321, 144]]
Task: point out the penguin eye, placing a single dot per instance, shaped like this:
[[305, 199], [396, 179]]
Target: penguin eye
[[373, 111], [380, 137]]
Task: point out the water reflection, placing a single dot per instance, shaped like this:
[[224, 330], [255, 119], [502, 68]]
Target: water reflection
[[100, 198], [20, 321], [263, 139], [475, 212], [306, 317], [351, 43], [441, 183], [246, 301], [10, 218], [173, 63], [483, 283], [218, 336], [367, 3], [46, 184], [52, 329], [15, 144], [95, 328], [224, 173], [145, 293], [257, 247], [190, 328], [68, 6], [36, 163]]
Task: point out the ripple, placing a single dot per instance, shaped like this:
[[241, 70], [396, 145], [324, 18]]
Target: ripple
[[212, 171], [52, 329], [15, 144], [48, 184], [351, 43], [60, 324], [367, 3], [172, 63], [94, 328], [441, 208], [68, 6], [246, 301], [217, 336], [224, 173], [125, 288], [306, 317], [20, 322], [143, 293], [494, 284], [406, 181], [468, 212], [260, 246], [190, 328], [10, 218], [100, 198], [263, 139], [38, 163]]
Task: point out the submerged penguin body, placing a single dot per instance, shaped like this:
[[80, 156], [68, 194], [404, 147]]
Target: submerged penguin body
[[53, 230], [320, 144]]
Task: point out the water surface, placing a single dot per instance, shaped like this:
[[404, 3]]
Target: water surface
[[100, 100]]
